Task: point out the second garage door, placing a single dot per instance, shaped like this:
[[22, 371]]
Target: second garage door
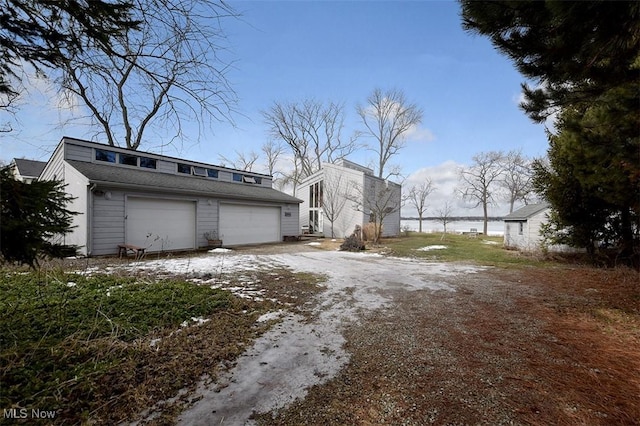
[[161, 224], [244, 224]]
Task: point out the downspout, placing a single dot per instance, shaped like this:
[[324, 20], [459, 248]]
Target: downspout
[[92, 188]]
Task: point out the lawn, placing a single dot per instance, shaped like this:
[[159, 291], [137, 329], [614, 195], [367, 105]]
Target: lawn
[[82, 345], [484, 250]]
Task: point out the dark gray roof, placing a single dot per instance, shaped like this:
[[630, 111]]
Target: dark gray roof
[[166, 182], [526, 212], [30, 168]]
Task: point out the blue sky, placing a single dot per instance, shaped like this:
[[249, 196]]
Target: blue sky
[[341, 51]]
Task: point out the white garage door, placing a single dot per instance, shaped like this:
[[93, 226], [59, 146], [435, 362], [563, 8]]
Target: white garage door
[[161, 224], [242, 224]]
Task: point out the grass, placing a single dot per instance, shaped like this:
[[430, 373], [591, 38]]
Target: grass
[[82, 345], [483, 250]]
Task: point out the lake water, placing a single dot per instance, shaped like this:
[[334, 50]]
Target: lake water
[[494, 227]]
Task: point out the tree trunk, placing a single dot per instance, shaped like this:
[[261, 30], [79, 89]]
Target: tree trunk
[[486, 216], [420, 224]]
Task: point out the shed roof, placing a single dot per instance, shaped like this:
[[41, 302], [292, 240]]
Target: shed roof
[[29, 168], [166, 182], [526, 212]]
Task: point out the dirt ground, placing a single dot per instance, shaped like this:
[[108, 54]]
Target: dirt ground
[[405, 342]]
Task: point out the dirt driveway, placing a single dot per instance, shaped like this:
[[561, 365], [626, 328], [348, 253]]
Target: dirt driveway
[[404, 341]]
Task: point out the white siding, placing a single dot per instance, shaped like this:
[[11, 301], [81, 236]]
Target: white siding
[[78, 188], [78, 152], [290, 220], [529, 239], [344, 179]]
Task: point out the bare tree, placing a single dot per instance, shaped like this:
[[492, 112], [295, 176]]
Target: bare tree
[[418, 198], [387, 117], [169, 71], [517, 180], [334, 199], [443, 216], [379, 199], [272, 151], [312, 131], [478, 181], [243, 161]]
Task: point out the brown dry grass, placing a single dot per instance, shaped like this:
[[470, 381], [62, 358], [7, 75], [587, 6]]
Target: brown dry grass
[[534, 346]]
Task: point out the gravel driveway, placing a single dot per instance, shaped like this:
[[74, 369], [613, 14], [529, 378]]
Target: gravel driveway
[[301, 352]]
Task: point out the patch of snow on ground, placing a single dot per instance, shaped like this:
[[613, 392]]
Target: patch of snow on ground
[[219, 250], [270, 316], [434, 247], [490, 242], [297, 353], [314, 243]]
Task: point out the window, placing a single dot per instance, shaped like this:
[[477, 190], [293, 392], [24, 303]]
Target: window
[[315, 195], [129, 160], [199, 171], [258, 180], [521, 228], [148, 163], [248, 179], [237, 177], [184, 168], [104, 155], [212, 173]]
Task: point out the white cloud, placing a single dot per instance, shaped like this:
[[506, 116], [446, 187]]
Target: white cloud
[[420, 134]]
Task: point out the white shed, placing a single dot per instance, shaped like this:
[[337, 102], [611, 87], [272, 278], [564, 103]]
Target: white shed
[[522, 227]]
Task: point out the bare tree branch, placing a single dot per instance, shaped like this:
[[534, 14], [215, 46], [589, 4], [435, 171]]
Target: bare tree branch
[[387, 117], [312, 131], [417, 196], [478, 180], [169, 71]]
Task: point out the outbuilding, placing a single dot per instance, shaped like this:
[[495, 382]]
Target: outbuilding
[[163, 203], [522, 227]]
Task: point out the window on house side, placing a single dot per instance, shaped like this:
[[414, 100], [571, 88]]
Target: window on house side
[[521, 228], [248, 179], [199, 171], [212, 173], [184, 168], [237, 177], [148, 163], [104, 155], [129, 160]]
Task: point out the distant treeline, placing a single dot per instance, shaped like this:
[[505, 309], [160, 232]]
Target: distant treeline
[[457, 218]]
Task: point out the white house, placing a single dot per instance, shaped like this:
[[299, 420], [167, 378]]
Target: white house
[[348, 194], [522, 227], [27, 170], [164, 203]]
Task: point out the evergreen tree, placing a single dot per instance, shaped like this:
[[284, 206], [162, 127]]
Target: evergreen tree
[[31, 216], [584, 58]]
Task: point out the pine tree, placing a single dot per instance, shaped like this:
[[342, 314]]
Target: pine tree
[[31, 216]]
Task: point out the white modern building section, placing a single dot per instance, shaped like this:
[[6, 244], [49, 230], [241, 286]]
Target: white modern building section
[[164, 203], [347, 194]]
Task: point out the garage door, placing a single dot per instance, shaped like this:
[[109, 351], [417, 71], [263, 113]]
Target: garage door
[[242, 224], [161, 224]]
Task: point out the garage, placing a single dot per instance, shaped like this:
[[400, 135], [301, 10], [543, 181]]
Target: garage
[[247, 224], [160, 224]]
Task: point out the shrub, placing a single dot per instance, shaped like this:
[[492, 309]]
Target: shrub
[[352, 243]]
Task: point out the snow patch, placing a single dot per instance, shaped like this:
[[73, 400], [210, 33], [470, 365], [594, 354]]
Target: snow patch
[[434, 247], [314, 243], [219, 250], [270, 316]]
